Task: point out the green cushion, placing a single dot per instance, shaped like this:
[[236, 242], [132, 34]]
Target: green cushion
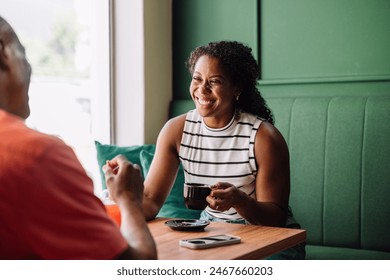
[[337, 253], [107, 152], [340, 159], [174, 206]]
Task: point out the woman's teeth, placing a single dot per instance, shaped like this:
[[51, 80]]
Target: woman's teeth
[[205, 102]]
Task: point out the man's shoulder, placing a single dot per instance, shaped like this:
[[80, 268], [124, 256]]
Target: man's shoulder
[[17, 137]]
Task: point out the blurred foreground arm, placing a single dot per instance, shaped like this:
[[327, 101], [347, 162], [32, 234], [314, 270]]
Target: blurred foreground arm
[[125, 185]]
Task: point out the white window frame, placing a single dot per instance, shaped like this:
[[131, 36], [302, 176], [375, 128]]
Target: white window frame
[[141, 66]]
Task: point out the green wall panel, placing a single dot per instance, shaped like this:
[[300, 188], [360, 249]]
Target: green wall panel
[[324, 39], [197, 22]]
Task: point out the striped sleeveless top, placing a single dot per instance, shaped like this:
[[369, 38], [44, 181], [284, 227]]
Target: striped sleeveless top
[[225, 154]]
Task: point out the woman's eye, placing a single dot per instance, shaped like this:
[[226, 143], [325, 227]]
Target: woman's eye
[[214, 82], [196, 78]]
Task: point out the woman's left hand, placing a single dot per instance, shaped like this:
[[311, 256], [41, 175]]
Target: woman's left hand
[[223, 196]]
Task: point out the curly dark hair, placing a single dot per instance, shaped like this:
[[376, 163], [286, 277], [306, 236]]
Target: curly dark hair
[[243, 70]]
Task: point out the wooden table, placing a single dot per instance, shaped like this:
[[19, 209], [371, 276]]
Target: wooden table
[[257, 242]]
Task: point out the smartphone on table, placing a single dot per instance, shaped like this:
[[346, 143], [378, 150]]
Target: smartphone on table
[[209, 241]]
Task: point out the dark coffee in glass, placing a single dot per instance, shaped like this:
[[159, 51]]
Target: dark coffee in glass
[[195, 195]]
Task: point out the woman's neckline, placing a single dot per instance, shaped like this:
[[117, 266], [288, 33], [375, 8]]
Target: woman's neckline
[[220, 128]]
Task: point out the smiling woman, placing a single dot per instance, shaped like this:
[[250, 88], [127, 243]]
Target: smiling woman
[[228, 142], [67, 45]]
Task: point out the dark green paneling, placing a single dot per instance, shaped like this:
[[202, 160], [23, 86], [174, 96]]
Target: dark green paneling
[[198, 22], [324, 39], [320, 48]]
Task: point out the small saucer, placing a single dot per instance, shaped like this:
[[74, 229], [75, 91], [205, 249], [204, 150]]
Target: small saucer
[[187, 225]]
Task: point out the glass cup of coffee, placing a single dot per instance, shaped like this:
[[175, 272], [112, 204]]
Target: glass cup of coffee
[[112, 208], [195, 195]]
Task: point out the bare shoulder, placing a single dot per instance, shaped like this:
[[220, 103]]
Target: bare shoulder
[[176, 121], [174, 125], [172, 131], [267, 129], [268, 137]]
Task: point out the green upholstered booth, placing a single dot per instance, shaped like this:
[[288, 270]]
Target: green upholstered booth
[[340, 171]]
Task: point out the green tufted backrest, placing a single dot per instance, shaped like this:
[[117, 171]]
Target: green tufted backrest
[[340, 166]]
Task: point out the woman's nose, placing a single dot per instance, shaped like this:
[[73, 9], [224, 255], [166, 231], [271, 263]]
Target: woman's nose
[[205, 88]]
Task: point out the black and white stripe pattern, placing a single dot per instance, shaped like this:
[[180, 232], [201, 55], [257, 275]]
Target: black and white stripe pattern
[[211, 155]]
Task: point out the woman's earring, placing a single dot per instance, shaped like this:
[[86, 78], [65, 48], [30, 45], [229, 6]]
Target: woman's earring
[[237, 97]]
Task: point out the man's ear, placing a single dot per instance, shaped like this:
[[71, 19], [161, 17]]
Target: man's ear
[[3, 56]]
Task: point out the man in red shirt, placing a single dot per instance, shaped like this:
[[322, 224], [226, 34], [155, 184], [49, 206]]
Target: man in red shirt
[[47, 206]]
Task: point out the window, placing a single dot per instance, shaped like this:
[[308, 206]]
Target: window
[[67, 44]]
